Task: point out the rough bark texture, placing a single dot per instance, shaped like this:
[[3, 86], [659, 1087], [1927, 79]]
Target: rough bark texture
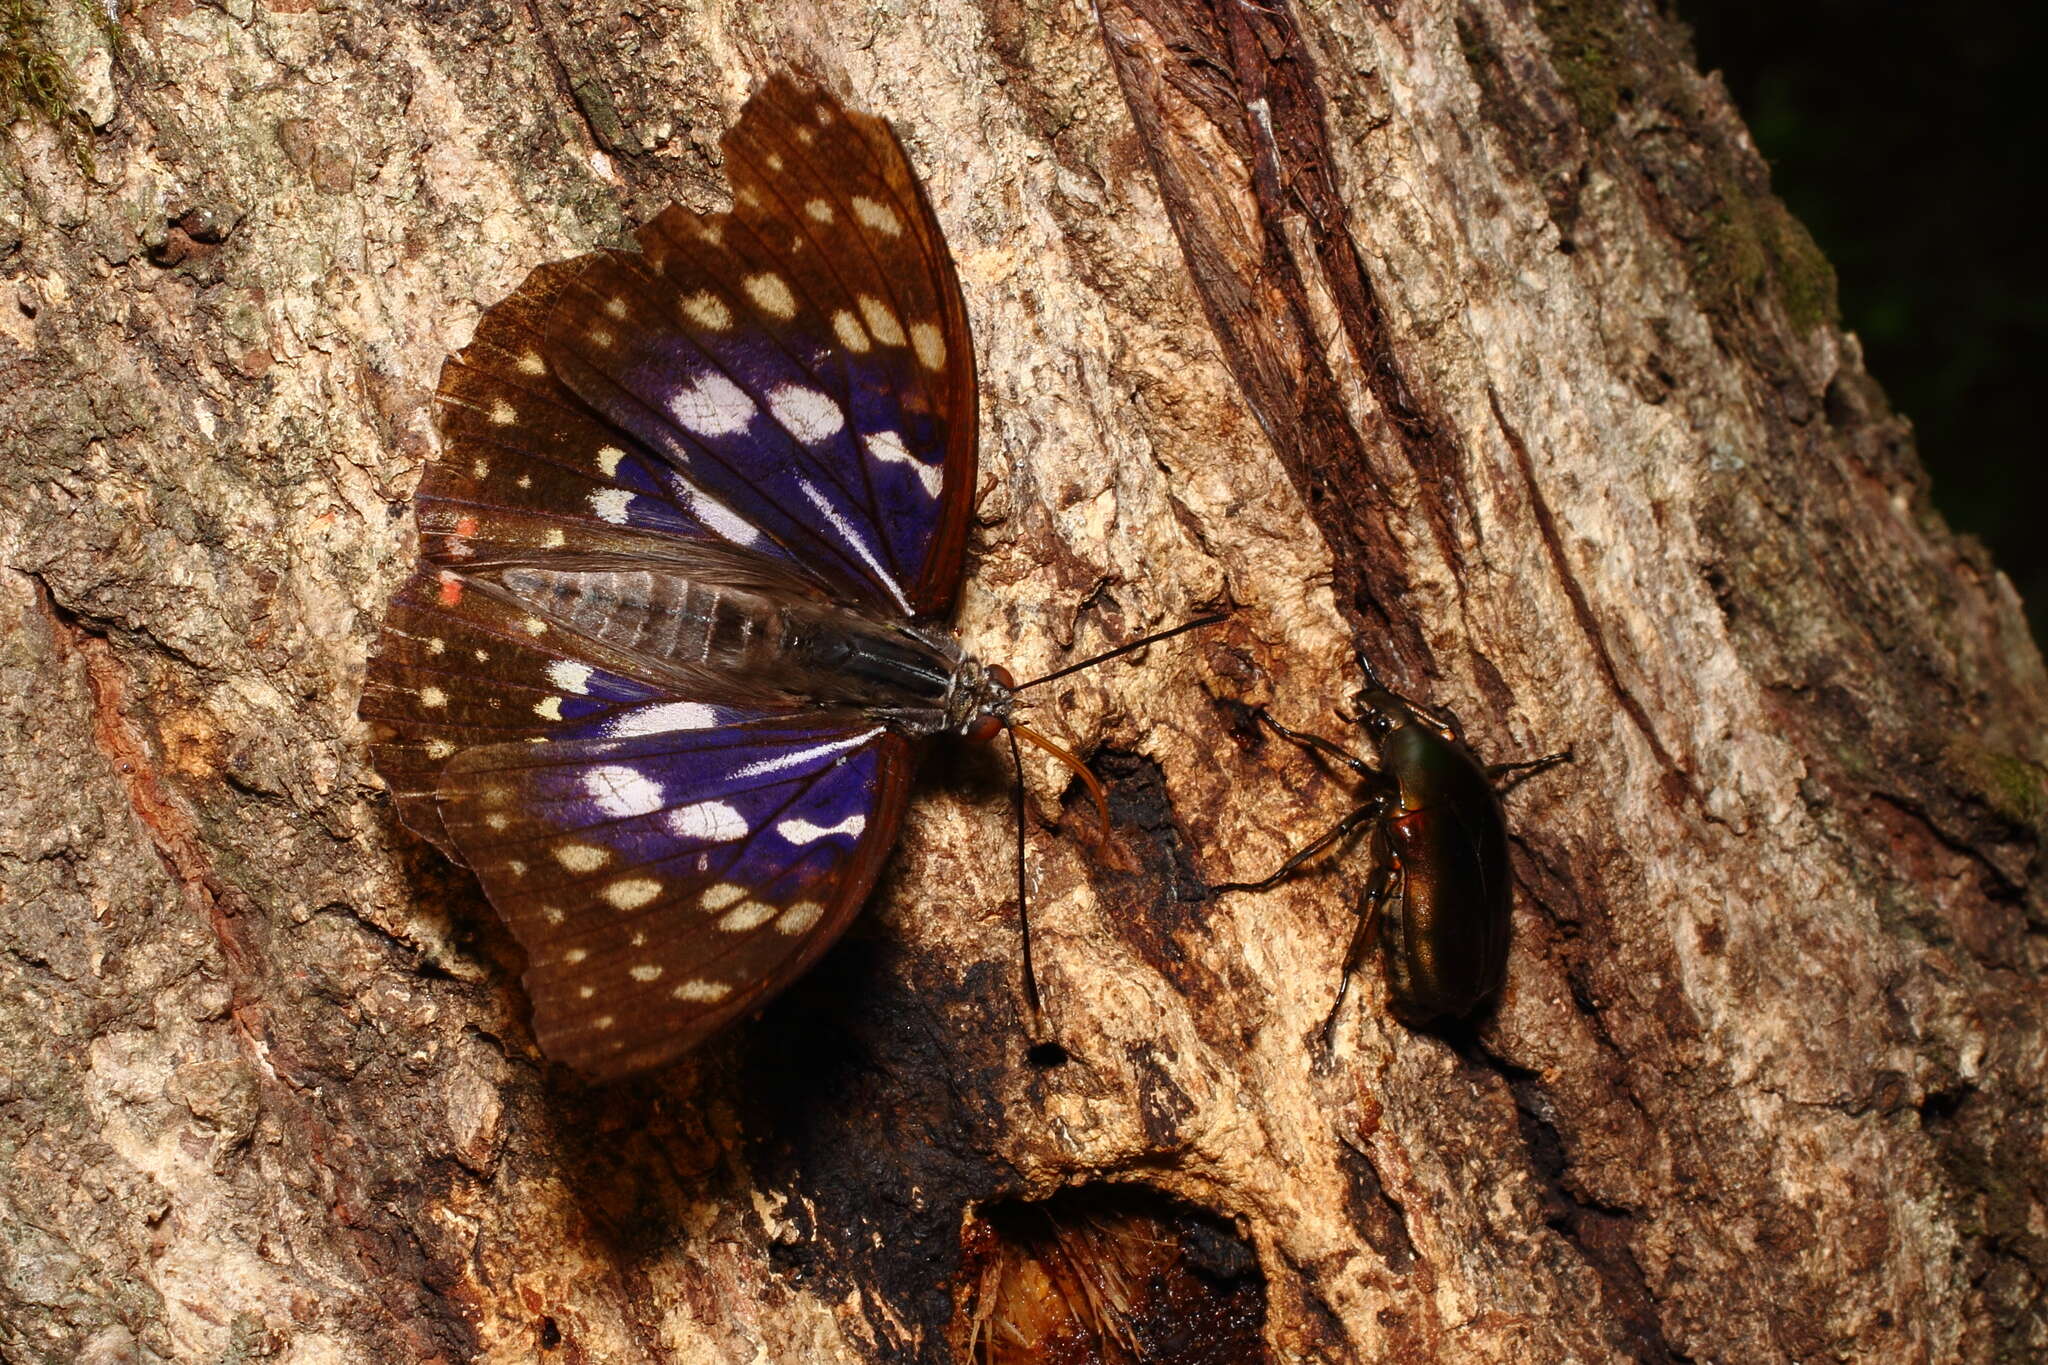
[[1469, 334]]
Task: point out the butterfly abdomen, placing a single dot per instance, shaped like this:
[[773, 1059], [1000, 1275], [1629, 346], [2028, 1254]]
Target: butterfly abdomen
[[762, 643]]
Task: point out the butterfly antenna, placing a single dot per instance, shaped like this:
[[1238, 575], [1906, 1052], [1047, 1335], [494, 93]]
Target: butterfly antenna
[[1107, 655], [1023, 899], [1089, 779]]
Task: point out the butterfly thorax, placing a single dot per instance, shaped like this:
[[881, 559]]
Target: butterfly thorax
[[753, 645]]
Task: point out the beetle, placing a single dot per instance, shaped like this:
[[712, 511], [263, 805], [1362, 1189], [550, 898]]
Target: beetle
[[1437, 904]]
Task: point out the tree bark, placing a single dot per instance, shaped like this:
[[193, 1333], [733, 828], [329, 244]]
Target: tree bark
[[1468, 335]]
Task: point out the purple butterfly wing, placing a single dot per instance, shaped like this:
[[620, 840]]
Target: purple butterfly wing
[[667, 882], [791, 383], [802, 360]]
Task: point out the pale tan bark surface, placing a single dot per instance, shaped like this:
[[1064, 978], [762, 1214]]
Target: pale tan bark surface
[[1468, 335]]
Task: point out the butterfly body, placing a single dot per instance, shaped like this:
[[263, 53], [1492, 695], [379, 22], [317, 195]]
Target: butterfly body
[[739, 639]]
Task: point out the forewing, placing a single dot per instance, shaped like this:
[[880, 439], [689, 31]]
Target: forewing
[[801, 361], [665, 883]]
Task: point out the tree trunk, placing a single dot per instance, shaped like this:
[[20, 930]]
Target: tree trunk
[[1467, 335]]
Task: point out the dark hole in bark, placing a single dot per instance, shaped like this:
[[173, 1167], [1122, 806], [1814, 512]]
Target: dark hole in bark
[[1110, 1275]]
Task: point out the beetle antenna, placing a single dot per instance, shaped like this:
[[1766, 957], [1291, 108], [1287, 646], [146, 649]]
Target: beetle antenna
[[1107, 655]]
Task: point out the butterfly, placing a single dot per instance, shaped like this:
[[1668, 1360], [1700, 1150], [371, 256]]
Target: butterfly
[[662, 670]]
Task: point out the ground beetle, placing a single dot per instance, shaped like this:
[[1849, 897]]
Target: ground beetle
[[1437, 903]]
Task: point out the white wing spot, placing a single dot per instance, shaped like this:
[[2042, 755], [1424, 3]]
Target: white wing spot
[[854, 542], [552, 914], [433, 697], [719, 519], [533, 625], [806, 136], [716, 821], [608, 460], [623, 792], [800, 831], [480, 469], [585, 992], [554, 539], [660, 719], [630, 893], [647, 971], [801, 757], [439, 748], [746, 916], [930, 346], [575, 955], [888, 447], [773, 161], [615, 306], [548, 708], [708, 311], [531, 363], [571, 676], [436, 644], [770, 293], [805, 413], [611, 504], [799, 918], [602, 337], [516, 867], [819, 210], [722, 895], [851, 334], [702, 991], [877, 215], [524, 481], [497, 820], [582, 857], [881, 321], [713, 406], [603, 1023], [503, 413]]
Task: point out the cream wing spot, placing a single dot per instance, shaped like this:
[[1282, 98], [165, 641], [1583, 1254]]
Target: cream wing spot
[[533, 625], [548, 708], [608, 458], [930, 346], [555, 538], [662, 718], [800, 918], [611, 504], [433, 698], [701, 991], [881, 322], [877, 215], [503, 413], [630, 893], [531, 363], [439, 748], [805, 413], [819, 210], [647, 971], [615, 306], [582, 857], [851, 334], [716, 898], [770, 293], [575, 955], [708, 311], [745, 917]]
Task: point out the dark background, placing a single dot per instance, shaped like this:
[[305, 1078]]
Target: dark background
[[1905, 137]]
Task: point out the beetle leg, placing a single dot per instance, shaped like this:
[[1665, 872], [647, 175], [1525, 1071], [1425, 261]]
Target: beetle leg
[[1385, 871], [1318, 744], [1370, 810], [1526, 769]]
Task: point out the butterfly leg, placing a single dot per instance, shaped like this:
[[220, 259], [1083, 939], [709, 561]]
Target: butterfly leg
[[1383, 882]]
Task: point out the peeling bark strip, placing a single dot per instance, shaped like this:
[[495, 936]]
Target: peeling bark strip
[[1554, 398]]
